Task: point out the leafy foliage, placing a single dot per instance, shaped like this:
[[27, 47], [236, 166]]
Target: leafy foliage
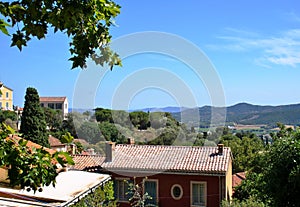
[[9, 118], [140, 119], [67, 138], [103, 115], [90, 132], [86, 22], [111, 133], [138, 198], [245, 151], [53, 118], [251, 202], [102, 196], [6, 114], [29, 167], [277, 180], [282, 174], [33, 125], [79, 147], [69, 124], [167, 137]]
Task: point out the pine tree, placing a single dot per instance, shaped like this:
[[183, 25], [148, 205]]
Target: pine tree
[[33, 124]]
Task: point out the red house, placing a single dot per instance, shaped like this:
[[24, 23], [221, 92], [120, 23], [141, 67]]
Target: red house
[[177, 176]]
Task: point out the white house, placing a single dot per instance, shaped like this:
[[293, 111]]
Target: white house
[[60, 103]]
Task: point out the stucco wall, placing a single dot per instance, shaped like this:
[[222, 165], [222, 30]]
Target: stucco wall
[[166, 181]]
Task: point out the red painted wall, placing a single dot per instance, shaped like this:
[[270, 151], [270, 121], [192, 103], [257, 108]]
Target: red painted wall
[[166, 181]]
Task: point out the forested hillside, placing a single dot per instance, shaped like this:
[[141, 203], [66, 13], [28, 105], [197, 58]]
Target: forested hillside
[[244, 113]]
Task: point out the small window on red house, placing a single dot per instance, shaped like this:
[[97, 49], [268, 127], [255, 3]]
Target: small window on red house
[[176, 192]]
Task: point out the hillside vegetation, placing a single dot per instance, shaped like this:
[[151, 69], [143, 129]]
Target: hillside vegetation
[[244, 113]]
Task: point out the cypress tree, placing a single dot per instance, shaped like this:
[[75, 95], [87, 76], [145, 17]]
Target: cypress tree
[[33, 124]]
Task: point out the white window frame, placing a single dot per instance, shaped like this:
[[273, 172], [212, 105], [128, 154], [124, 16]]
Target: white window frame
[[152, 180], [181, 192], [205, 193], [122, 180]]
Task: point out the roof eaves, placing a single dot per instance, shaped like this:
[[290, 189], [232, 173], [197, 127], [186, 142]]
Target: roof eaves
[[177, 172], [8, 88]]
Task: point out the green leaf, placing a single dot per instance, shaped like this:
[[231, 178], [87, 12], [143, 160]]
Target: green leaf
[[3, 26], [67, 156]]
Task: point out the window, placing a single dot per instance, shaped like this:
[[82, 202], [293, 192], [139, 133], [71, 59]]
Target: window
[[0, 105], [51, 105], [58, 106], [176, 192], [198, 193], [7, 94], [42, 104], [66, 106], [7, 105], [121, 190], [150, 187]]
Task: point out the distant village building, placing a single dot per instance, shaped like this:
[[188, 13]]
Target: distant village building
[[6, 97], [57, 103], [56, 144]]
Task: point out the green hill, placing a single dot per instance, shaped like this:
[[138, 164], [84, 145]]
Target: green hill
[[243, 113]]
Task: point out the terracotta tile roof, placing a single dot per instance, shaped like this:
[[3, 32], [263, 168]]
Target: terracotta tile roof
[[237, 178], [83, 162], [185, 159], [54, 141], [31, 144], [52, 99]]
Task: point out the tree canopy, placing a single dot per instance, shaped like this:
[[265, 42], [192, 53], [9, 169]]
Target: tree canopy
[[244, 150], [33, 124], [87, 23], [277, 180]]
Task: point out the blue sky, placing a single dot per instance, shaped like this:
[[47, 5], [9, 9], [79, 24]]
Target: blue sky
[[253, 45]]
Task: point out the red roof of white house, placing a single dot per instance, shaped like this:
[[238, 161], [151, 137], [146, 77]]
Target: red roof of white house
[[53, 99], [158, 158]]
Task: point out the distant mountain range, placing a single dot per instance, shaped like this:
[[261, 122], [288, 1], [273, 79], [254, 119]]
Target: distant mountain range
[[242, 113]]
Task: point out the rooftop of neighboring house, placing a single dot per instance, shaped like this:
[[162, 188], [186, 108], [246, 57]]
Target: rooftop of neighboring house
[[237, 178], [70, 187], [54, 142], [83, 162], [2, 85], [30, 144], [160, 158], [53, 99]]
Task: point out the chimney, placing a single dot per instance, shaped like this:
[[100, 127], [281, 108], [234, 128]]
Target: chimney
[[131, 141], [220, 149], [109, 151]]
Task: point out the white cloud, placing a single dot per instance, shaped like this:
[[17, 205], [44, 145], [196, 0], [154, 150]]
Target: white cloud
[[283, 49]]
